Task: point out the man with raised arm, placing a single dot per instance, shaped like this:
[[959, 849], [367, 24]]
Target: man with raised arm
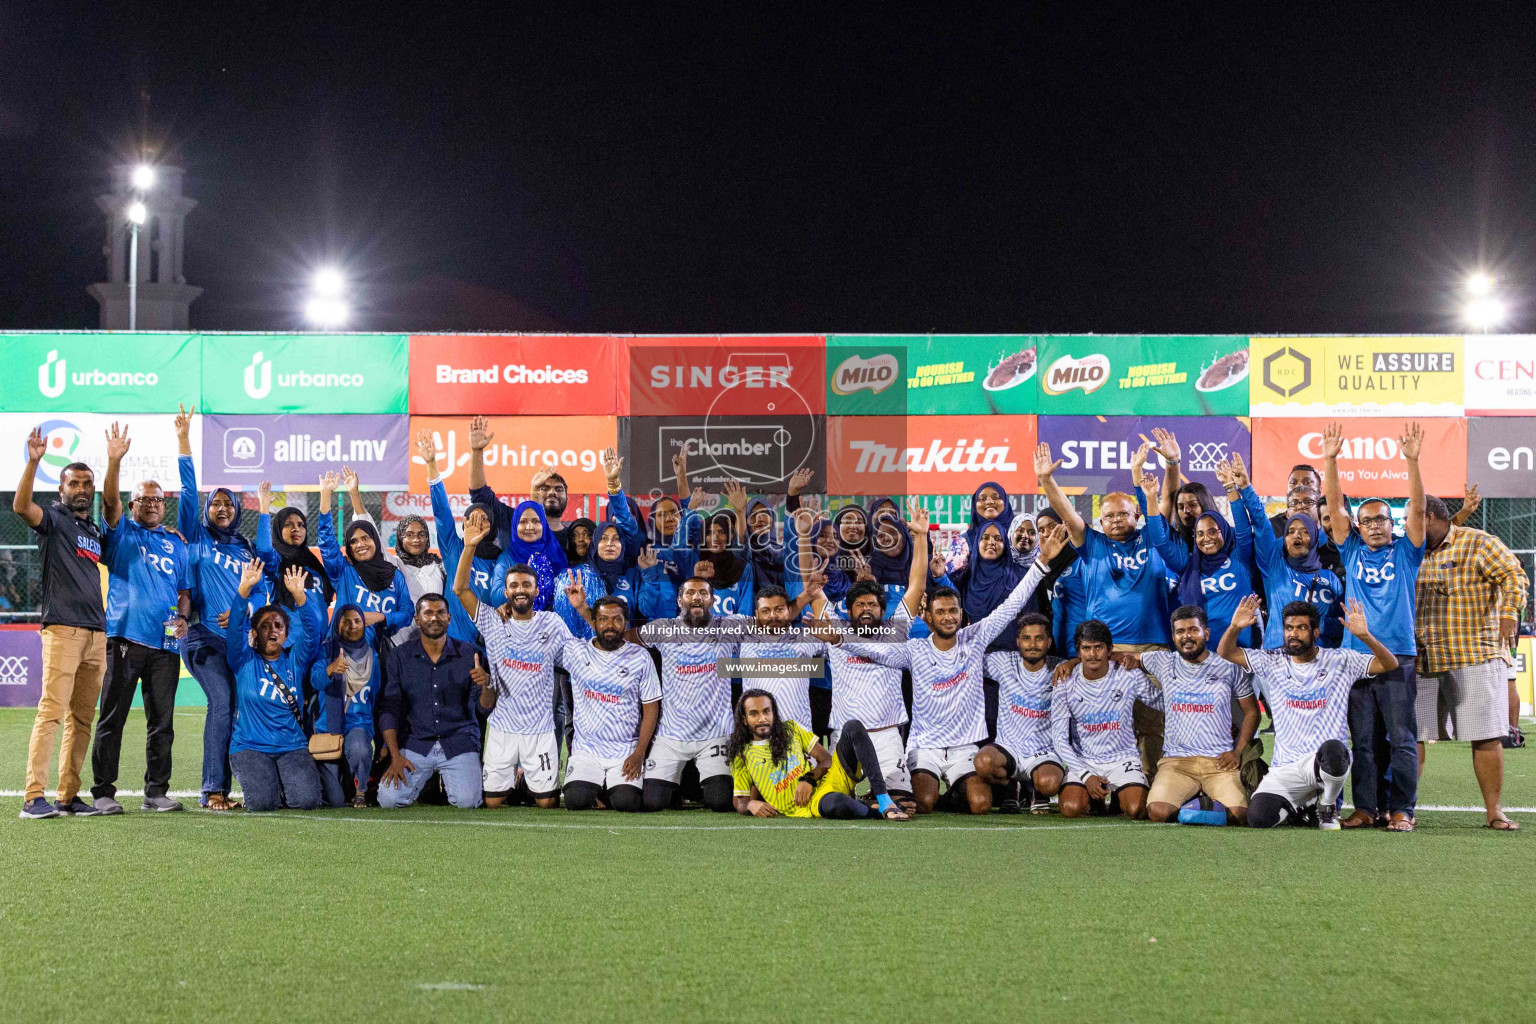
[[1023, 748], [1308, 690], [1382, 572]]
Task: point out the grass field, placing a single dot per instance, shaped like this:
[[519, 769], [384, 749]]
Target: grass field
[[434, 914]]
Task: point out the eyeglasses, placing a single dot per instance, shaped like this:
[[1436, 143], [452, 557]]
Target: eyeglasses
[[1114, 516], [1375, 520], [1301, 503], [150, 501]]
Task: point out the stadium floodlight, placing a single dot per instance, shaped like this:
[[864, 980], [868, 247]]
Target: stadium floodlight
[[326, 312], [1484, 313], [1479, 284], [138, 213], [328, 282], [143, 178]]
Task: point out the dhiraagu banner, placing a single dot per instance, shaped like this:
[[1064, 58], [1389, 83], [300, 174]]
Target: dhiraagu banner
[[930, 374], [98, 372], [320, 373], [1129, 375]]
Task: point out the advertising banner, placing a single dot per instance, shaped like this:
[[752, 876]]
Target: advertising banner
[[1371, 464], [931, 375], [1415, 377], [1121, 375], [1501, 456], [82, 437], [762, 452], [21, 666], [929, 454], [732, 375], [98, 372], [516, 374], [321, 373], [1095, 451], [1501, 375], [294, 450], [520, 445]]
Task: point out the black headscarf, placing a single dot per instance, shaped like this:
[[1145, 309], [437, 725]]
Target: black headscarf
[[488, 549], [427, 556], [591, 554], [728, 568], [300, 555], [377, 573]]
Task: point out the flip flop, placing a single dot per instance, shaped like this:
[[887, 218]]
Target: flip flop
[[1400, 823], [1503, 824], [896, 814]]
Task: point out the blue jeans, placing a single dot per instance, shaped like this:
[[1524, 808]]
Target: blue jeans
[[1384, 732], [206, 661], [357, 754], [461, 778], [270, 781]]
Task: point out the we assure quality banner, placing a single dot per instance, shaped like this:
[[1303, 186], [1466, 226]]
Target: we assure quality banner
[[1387, 376], [1116, 375], [98, 373], [332, 373]]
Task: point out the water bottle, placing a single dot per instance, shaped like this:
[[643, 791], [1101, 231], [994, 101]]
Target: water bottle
[[171, 642]]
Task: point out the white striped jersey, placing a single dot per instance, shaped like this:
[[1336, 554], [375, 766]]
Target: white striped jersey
[[791, 693], [1308, 700], [698, 697], [1197, 700], [522, 656], [1100, 709], [864, 690], [949, 707], [607, 689], [1023, 705]]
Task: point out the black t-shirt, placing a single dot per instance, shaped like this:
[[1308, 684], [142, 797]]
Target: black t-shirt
[[71, 547]]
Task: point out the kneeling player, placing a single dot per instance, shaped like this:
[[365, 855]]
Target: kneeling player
[[1023, 748], [779, 769], [1308, 691], [616, 699], [1199, 755], [1098, 698]]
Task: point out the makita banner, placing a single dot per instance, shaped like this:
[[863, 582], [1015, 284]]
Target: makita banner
[[1096, 451], [295, 450], [518, 374], [762, 452], [929, 454]]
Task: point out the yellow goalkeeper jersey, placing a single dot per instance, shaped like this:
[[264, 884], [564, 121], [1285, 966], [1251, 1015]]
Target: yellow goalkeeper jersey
[[776, 782]]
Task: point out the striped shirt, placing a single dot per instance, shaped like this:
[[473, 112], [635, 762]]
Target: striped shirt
[[949, 706], [1308, 700], [1466, 586], [864, 690], [698, 704], [1197, 699], [1023, 705], [1101, 711], [522, 656], [607, 689], [791, 693]]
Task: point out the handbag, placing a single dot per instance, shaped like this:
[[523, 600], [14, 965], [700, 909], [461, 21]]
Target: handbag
[[323, 746]]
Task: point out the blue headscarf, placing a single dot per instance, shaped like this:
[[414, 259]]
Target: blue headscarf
[[889, 568], [1004, 518], [226, 534], [837, 580], [523, 551], [1201, 565], [1309, 562], [988, 581]]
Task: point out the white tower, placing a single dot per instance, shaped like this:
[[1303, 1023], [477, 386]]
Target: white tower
[[164, 298]]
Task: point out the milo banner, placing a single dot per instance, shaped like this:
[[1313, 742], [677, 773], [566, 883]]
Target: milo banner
[[1123, 375], [329, 373], [930, 375], [1415, 376], [98, 373], [1095, 451]]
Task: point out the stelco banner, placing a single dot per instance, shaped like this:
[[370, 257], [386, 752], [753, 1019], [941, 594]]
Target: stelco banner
[[522, 374], [1130, 374], [1413, 377], [21, 666], [1371, 463], [929, 454], [1501, 456], [1095, 451], [520, 445], [931, 375], [294, 450], [82, 437], [333, 373], [727, 376], [1501, 375], [95, 373]]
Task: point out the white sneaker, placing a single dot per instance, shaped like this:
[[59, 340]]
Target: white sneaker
[[1328, 818]]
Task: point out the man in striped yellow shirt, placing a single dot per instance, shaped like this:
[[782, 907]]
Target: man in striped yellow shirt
[[1471, 589]]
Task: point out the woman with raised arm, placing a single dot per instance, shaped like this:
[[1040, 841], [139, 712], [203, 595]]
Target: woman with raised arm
[[360, 572]]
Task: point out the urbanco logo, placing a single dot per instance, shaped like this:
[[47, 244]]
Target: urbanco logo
[[56, 387], [263, 388]]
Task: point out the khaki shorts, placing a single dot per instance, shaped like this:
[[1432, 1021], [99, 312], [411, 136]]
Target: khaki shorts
[[1476, 698], [1179, 779]]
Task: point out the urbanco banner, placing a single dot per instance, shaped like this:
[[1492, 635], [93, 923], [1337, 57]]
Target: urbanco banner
[[99, 372], [317, 373]]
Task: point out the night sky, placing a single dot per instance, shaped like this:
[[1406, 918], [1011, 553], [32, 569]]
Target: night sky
[[789, 167]]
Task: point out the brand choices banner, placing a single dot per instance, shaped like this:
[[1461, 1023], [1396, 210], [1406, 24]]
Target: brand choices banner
[[1501, 456], [295, 450], [97, 373], [520, 445], [1120, 374], [82, 437], [1371, 463], [1095, 451], [523, 374], [1420, 376], [333, 373]]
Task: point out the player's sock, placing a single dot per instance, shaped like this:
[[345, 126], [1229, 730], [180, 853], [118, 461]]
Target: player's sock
[[1332, 764]]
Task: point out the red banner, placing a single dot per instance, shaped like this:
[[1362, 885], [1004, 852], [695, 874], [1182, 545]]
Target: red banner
[[519, 374], [1371, 466], [930, 454], [736, 375]]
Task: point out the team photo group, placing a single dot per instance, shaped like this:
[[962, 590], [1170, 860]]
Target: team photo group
[[794, 657]]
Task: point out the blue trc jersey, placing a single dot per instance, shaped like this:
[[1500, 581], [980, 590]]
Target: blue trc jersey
[[1384, 580], [215, 566], [264, 721], [146, 569], [1127, 587]]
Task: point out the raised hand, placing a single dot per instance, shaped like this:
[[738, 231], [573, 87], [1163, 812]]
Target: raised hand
[[475, 531], [338, 666], [861, 569], [700, 499], [612, 467], [815, 583], [1139, 460], [117, 443], [646, 558], [680, 464], [329, 481], [1226, 475], [264, 497], [917, 526], [1412, 441], [1354, 618], [937, 566], [1333, 441], [36, 446], [576, 592], [1473, 500], [250, 575], [479, 434], [293, 581], [1045, 468], [1247, 612], [184, 422], [426, 450], [539, 479], [1053, 540], [736, 494], [477, 673], [349, 478], [1239, 472], [800, 479], [1166, 444]]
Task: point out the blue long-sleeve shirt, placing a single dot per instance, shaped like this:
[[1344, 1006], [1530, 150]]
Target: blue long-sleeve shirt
[[147, 570], [271, 561], [264, 721], [592, 584], [215, 566], [358, 710], [1069, 608], [1222, 589], [435, 701], [482, 574], [1283, 584], [393, 602]]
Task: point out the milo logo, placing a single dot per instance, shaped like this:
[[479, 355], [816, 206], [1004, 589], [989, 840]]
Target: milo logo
[[1069, 373]]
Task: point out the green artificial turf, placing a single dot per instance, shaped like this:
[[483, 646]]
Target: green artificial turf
[[689, 916]]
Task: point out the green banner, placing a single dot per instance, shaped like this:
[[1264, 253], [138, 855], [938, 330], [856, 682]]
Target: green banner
[[319, 373], [1133, 375], [97, 372], [939, 374]]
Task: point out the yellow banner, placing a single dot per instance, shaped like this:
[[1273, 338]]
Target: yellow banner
[[1523, 672], [1387, 376]]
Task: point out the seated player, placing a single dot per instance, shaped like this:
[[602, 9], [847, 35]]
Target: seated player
[[1199, 754], [1023, 748], [1308, 691], [616, 699], [1102, 765], [779, 769]]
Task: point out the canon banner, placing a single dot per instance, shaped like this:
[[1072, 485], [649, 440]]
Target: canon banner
[[21, 666], [295, 450], [1414, 376], [1095, 451], [929, 454], [739, 375], [520, 445], [331, 373], [1501, 456], [762, 452], [1501, 375], [1131, 374], [1371, 463], [82, 437], [930, 375], [93, 373], [517, 374]]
